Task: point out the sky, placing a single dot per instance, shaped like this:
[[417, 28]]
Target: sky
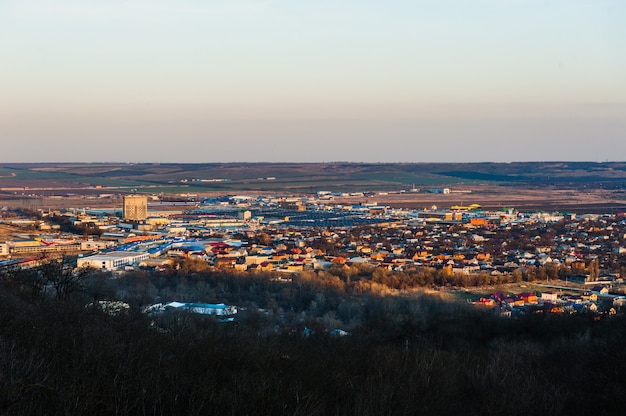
[[196, 81]]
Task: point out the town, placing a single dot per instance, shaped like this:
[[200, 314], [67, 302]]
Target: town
[[576, 262], [253, 207]]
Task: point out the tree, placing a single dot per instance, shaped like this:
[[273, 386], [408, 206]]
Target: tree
[[593, 270], [62, 276]]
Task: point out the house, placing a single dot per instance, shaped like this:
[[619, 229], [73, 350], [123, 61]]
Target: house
[[600, 290], [619, 301], [225, 262], [527, 297], [554, 309], [256, 259], [478, 222], [549, 296], [498, 297], [511, 301], [295, 266], [241, 266], [266, 266], [590, 296], [575, 300], [322, 265], [485, 302]]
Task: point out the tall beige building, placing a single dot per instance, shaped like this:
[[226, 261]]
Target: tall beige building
[[135, 208]]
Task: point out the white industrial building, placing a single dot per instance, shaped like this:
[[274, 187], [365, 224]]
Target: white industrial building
[[114, 260]]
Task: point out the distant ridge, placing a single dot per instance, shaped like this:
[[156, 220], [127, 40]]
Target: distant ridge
[[308, 176]]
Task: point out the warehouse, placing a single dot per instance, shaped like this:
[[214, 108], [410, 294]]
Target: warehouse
[[112, 261]]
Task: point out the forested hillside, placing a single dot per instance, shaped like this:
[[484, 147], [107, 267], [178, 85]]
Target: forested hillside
[[413, 354]]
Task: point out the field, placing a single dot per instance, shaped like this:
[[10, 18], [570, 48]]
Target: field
[[8, 232], [554, 186], [501, 197]]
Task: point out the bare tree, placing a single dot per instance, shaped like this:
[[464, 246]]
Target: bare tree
[[62, 277]]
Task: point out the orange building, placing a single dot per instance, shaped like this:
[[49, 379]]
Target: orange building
[[478, 222]]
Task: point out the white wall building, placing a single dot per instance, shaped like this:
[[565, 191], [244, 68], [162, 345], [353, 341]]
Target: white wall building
[[94, 245], [112, 261]]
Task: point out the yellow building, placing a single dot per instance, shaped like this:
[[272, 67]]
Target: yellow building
[[135, 208]]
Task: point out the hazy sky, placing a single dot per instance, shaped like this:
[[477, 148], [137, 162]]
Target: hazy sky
[[325, 80]]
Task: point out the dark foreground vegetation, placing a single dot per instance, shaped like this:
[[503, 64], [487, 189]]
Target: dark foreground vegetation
[[404, 355]]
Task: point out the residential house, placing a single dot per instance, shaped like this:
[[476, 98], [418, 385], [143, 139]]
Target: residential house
[[549, 296]]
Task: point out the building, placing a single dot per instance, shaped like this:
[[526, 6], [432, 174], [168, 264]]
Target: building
[[444, 191], [549, 296], [244, 215], [94, 245], [38, 246], [600, 290], [135, 208], [113, 260], [218, 309]]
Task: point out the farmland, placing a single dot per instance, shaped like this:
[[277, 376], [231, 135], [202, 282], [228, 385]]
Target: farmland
[[577, 186]]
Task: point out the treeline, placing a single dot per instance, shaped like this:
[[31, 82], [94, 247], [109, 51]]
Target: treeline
[[404, 355], [366, 278], [333, 299], [66, 225], [419, 277]]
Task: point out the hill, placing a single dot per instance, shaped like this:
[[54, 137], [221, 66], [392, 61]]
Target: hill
[[307, 177]]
